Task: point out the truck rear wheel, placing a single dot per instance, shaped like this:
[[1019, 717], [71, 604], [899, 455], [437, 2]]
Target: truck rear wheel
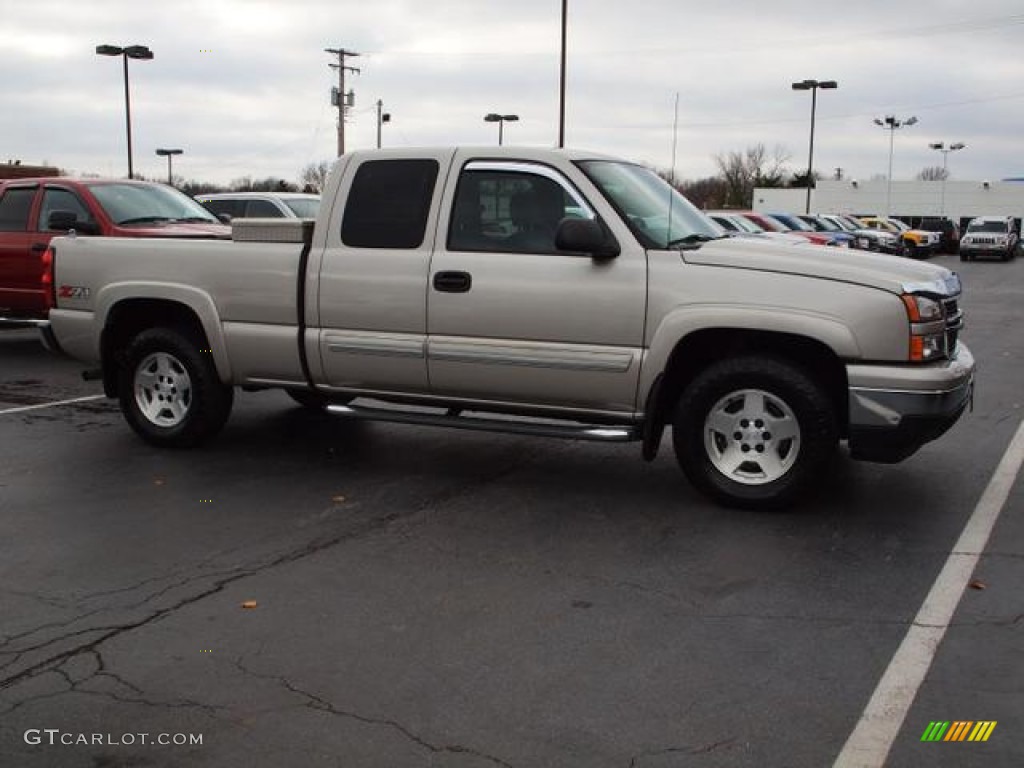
[[754, 432], [169, 390]]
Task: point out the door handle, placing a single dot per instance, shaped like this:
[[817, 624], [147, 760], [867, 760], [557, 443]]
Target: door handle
[[453, 282], [37, 247]]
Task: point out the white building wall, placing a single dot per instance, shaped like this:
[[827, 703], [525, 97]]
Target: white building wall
[[962, 199]]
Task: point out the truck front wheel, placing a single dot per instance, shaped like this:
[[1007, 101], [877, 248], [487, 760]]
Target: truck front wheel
[[169, 390], [754, 432]]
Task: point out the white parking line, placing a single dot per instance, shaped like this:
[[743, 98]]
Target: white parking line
[[870, 742], [23, 408]]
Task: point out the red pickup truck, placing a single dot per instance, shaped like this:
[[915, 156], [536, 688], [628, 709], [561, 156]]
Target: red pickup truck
[[32, 211]]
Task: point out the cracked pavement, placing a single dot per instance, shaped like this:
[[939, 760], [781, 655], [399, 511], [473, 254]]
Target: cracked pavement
[[433, 598]]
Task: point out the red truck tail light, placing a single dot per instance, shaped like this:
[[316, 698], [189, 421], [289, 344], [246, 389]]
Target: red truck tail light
[[49, 294]]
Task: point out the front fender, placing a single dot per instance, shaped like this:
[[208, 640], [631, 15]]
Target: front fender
[[684, 321]]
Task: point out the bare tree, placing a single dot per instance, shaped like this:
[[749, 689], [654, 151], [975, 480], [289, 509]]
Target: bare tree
[[742, 171], [314, 176], [706, 194], [934, 173], [269, 184]]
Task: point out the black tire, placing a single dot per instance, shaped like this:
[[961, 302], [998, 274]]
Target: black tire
[[316, 400], [907, 249], [169, 390], [711, 431], [963, 257]]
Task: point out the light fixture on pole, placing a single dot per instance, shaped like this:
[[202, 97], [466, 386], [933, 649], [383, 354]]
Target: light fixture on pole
[[169, 153], [891, 124], [128, 52], [382, 117], [494, 117], [941, 147], [812, 86]]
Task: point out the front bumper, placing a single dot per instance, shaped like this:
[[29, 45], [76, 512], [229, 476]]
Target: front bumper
[[985, 251], [894, 410]]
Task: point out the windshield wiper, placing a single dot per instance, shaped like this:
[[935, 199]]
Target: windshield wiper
[[202, 219], [695, 240], [145, 220]]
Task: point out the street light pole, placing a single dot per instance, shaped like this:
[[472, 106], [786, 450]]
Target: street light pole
[[941, 147], [169, 153], [891, 124], [494, 117], [382, 117], [812, 86], [128, 52], [561, 77]]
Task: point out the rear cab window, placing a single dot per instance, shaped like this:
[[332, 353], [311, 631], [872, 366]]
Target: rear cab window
[[389, 203], [262, 209], [15, 206]]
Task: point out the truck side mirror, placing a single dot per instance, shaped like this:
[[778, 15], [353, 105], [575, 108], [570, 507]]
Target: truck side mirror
[[62, 221], [586, 236]]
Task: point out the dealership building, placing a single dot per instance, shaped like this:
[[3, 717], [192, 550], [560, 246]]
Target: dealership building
[[907, 200]]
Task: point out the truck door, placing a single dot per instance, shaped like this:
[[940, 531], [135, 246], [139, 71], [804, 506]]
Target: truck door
[[21, 251], [512, 319], [373, 275]]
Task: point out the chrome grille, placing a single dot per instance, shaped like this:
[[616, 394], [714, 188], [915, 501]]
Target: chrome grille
[[954, 322]]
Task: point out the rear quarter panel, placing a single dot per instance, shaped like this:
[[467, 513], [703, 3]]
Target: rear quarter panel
[[244, 294]]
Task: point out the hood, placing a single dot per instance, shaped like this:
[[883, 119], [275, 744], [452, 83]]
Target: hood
[[877, 270], [184, 229]]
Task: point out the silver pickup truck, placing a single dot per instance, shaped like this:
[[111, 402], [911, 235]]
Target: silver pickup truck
[[533, 291]]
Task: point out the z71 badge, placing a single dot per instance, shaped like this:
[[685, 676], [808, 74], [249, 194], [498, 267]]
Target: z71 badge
[[73, 292]]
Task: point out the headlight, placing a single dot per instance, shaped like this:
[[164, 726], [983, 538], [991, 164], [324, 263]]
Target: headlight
[[927, 328]]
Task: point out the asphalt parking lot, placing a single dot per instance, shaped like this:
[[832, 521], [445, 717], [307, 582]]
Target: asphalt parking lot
[[308, 591]]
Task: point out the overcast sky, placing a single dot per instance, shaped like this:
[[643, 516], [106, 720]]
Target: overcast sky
[[243, 86]]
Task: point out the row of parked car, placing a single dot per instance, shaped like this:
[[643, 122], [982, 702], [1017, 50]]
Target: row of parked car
[[985, 236], [873, 233]]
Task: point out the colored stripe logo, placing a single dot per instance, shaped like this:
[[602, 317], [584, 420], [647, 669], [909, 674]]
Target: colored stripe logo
[[958, 730]]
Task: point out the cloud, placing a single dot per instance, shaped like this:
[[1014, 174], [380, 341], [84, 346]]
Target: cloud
[[243, 85]]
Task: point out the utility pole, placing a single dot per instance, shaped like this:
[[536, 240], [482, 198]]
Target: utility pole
[[340, 98]]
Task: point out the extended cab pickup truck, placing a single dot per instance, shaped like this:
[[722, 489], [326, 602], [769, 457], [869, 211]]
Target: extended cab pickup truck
[[32, 211], [533, 291]]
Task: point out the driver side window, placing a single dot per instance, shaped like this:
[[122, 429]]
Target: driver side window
[[61, 200], [509, 211]]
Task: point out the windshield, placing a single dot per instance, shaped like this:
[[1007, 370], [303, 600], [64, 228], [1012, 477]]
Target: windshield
[[303, 207], [657, 214], [793, 222], [745, 224], [987, 226], [148, 203]]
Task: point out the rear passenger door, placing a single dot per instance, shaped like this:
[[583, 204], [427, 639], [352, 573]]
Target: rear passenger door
[[371, 312], [21, 251]]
